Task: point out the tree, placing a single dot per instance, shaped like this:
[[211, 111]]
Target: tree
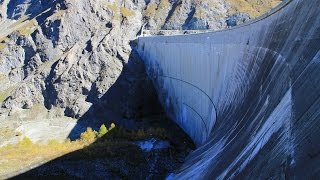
[[103, 130], [88, 136], [112, 126]]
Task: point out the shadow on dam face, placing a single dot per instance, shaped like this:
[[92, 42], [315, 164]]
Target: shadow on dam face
[[249, 96]]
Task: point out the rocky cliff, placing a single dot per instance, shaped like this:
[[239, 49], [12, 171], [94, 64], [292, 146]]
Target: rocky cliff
[[67, 54]]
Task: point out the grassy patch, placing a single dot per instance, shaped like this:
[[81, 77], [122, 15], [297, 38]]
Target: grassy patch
[[108, 142], [119, 11], [19, 21], [2, 46], [26, 153], [3, 42], [164, 4], [126, 12], [253, 7], [59, 14], [36, 111], [151, 9], [4, 39], [28, 28], [6, 93], [6, 132], [3, 77], [113, 7]]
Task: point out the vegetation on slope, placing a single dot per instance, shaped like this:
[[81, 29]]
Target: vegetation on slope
[[109, 145], [17, 157], [254, 8]]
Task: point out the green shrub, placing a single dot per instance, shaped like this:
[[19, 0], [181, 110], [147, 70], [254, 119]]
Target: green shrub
[[103, 130], [112, 126]]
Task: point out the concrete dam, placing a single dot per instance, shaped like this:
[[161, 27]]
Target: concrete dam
[[248, 96]]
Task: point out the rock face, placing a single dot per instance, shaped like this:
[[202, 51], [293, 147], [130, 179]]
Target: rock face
[[249, 96], [67, 54], [74, 57]]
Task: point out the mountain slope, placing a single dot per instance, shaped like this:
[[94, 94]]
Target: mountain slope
[[67, 54]]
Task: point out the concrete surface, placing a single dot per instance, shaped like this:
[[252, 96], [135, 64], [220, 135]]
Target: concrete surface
[[248, 96]]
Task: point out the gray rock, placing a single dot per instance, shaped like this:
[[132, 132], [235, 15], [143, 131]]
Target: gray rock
[[78, 49], [237, 19]]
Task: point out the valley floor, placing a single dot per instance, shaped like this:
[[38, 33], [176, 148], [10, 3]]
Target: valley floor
[[151, 151]]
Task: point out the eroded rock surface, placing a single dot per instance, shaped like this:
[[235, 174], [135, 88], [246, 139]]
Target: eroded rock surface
[[67, 54], [59, 52]]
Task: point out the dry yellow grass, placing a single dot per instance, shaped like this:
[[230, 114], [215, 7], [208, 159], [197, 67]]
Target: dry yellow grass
[[150, 10], [3, 42], [7, 132], [59, 14], [17, 157], [4, 39], [113, 7], [6, 93], [25, 154], [154, 9], [2, 46], [19, 21], [164, 4], [126, 12], [254, 8], [28, 28]]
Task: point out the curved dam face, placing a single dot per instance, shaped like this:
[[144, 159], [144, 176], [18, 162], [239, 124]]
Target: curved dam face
[[249, 97]]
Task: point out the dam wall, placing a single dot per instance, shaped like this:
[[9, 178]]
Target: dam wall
[[249, 96]]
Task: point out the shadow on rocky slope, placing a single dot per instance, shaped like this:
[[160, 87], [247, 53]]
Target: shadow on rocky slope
[[132, 104], [130, 98]]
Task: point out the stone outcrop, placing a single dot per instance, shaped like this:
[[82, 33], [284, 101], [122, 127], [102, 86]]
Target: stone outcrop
[[67, 54]]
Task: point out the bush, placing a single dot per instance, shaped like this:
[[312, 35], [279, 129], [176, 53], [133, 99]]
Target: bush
[[141, 134], [112, 126], [103, 130]]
